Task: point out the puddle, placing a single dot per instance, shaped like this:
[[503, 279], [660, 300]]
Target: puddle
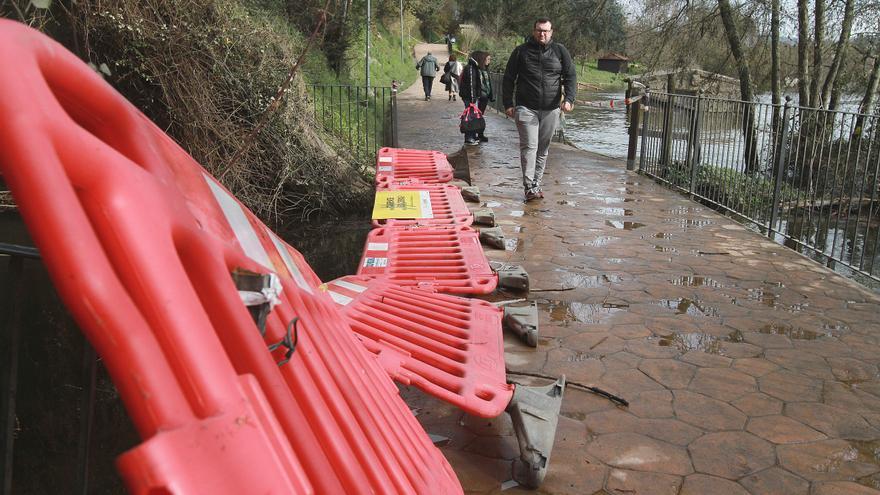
[[624, 225], [792, 332], [566, 312], [511, 244], [619, 212], [689, 222], [688, 306], [683, 210], [611, 199], [692, 281], [580, 357], [569, 279], [664, 249], [518, 228], [600, 241], [768, 299], [632, 200], [517, 213], [663, 235], [695, 341], [566, 202], [492, 204]]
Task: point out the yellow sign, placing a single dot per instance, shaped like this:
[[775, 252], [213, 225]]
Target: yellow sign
[[402, 204]]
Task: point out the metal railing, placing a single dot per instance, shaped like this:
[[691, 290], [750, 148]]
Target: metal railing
[[62, 420], [807, 178], [360, 119]]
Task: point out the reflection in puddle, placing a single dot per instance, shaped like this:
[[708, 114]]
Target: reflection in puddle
[[600, 241], [663, 235], [518, 228], [664, 249], [688, 306], [766, 298], [566, 202], [492, 204], [610, 199], [791, 332], [577, 280], [695, 341], [517, 213], [692, 281], [620, 212], [688, 222], [623, 225], [566, 312], [632, 200], [683, 210], [511, 244]]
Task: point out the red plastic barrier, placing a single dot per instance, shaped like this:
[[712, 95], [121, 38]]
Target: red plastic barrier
[[451, 258], [141, 243], [447, 205], [448, 346], [398, 164]]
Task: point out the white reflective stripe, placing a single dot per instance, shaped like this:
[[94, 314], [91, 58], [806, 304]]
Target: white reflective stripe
[[339, 298], [385, 159], [350, 286], [289, 263], [427, 211], [377, 246], [242, 228]]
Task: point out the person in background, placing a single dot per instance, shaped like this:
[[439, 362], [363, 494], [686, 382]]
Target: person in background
[[545, 79], [488, 92], [453, 67], [428, 67], [471, 89]]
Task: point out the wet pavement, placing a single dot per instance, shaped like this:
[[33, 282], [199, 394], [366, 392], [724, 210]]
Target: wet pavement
[[748, 367]]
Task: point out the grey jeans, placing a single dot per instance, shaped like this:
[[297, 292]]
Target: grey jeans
[[536, 129]]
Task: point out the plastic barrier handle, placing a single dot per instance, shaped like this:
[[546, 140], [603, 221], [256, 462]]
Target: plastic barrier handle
[[29, 166]]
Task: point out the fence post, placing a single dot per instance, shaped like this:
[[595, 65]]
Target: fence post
[[635, 111], [781, 157], [693, 149], [666, 134], [646, 98], [394, 121]]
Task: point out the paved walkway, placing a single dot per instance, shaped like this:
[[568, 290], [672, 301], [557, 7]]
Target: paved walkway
[[748, 367]]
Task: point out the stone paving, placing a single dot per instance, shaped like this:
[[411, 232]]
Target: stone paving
[[749, 368]]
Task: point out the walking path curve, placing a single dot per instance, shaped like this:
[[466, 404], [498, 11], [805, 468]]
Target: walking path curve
[[748, 367]]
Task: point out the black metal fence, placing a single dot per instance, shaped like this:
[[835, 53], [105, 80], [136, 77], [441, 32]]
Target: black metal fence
[[63, 423], [807, 178], [360, 119]]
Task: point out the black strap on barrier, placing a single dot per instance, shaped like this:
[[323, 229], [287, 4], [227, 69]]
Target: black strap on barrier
[[287, 341]]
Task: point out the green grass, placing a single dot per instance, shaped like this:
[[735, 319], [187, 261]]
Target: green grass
[[588, 73]]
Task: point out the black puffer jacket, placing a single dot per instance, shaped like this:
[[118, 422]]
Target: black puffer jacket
[[539, 74], [470, 87]]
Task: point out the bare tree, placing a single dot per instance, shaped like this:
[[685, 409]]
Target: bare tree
[[745, 84], [803, 62], [818, 40], [839, 53]]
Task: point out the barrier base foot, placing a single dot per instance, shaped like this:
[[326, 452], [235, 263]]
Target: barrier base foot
[[492, 237], [471, 194], [523, 321], [535, 414], [512, 276], [484, 216]]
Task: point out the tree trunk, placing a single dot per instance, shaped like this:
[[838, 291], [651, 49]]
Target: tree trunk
[[774, 54], [745, 85], [803, 39], [868, 99], [818, 40], [839, 54]]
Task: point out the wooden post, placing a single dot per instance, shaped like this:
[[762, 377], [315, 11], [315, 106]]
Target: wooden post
[[635, 112], [666, 136]]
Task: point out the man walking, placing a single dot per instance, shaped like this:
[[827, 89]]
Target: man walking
[[428, 67], [539, 69]]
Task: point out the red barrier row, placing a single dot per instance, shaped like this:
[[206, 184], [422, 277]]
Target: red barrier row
[[141, 244], [448, 346], [398, 164], [450, 259], [447, 206]]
